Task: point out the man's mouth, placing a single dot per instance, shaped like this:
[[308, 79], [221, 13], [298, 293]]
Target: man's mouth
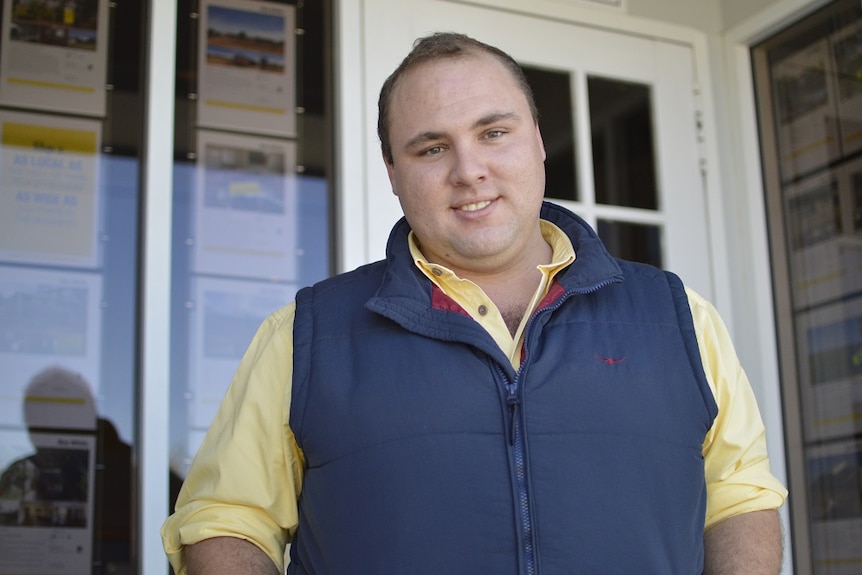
[[474, 206]]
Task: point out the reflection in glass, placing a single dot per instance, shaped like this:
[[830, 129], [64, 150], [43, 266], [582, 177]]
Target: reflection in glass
[[252, 186], [623, 149], [636, 242], [810, 104]]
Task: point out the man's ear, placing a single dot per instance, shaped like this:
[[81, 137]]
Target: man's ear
[[541, 142], [390, 171]]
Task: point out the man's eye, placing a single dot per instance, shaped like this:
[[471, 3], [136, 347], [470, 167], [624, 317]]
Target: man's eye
[[494, 134], [432, 151]]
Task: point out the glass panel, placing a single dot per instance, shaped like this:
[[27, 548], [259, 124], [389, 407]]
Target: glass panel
[[809, 80], [636, 242], [252, 189], [552, 91], [70, 127], [622, 136]]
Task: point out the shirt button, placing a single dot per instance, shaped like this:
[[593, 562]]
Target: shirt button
[[483, 310], [437, 272]]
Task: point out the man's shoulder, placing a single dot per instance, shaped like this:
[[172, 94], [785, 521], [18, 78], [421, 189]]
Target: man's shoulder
[[345, 290]]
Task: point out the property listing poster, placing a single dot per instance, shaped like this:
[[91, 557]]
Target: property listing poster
[[53, 55], [824, 235], [247, 43], [48, 318], [830, 370], [49, 202], [835, 501], [806, 112], [46, 507], [847, 52], [244, 217], [225, 316]]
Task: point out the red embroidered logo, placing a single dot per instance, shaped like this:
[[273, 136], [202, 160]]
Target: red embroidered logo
[[610, 360]]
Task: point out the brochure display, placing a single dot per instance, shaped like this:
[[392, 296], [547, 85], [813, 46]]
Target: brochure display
[[830, 339], [47, 491], [247, 43], [53, 55], [47, 317], [49, 202], [246, 185], [804, 95], [809, 79], [835, 500], [224, 318], [48, 497]]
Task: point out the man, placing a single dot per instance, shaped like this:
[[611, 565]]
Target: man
[[499, 395]]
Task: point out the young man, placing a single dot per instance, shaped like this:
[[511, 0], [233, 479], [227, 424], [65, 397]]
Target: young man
[[499, 395]]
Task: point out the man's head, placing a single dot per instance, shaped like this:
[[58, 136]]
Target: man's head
[[440, 46], [465, 156]]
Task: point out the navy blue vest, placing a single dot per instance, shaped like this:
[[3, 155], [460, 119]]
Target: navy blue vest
[[427, 453]]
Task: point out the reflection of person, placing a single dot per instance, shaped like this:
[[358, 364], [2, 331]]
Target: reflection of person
[[499, 395], [53, 483]]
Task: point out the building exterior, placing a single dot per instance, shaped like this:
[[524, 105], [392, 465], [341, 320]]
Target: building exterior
[[171, 171]]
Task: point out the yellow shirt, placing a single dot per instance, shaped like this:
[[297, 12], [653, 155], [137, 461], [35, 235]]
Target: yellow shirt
[[247, 474]]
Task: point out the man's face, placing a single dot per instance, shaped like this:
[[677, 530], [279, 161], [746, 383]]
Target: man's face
[[468, 163]]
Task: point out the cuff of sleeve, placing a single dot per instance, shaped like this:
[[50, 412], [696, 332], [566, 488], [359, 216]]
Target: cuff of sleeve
[[193, 526], [729, 499]]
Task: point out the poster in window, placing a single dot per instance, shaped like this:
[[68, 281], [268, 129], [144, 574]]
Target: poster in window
[[835, 506], [246, 67], [46, 506], [225, 316], [246, 185], [847, 51], [49, 202], [829, 355], [825, 250], [48, 318], [806, 111], [53, 55]]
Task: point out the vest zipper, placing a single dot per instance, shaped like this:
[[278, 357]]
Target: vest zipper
[[516, 438]]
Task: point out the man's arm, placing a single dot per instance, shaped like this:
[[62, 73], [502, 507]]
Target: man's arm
[[749, 544], [227, 556]]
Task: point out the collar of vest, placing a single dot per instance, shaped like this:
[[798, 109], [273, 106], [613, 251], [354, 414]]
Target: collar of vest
[[593, 268]]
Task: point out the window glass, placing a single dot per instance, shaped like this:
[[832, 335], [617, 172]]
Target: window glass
[[252, 189], [552, 91], [623, 151], [809, 96], [70, 148], [630, 241]]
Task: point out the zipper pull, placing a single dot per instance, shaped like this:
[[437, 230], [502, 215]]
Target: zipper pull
[[512, 400]]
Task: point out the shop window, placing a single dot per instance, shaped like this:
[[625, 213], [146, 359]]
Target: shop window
[[70, 150], [809, 97], [253, 181]]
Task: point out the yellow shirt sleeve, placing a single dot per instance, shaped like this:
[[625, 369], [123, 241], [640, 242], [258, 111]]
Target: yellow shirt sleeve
[[246, 476], [738, 477]]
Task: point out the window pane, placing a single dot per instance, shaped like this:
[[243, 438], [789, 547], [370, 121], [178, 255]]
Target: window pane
[[553, 94], [637, 242], [70, 127], [252, 189], [622, 137], [809, 96]]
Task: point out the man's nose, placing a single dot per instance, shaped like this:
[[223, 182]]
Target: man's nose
[[469, 167]]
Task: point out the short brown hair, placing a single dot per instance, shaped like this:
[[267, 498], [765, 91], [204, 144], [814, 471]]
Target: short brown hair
[[439, 46]]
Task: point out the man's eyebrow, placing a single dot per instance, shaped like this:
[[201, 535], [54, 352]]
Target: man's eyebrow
[[420, 139], [487, 120], [494, 118]]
